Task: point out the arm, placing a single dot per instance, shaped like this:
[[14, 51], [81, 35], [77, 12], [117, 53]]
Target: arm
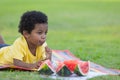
[[20, 63]]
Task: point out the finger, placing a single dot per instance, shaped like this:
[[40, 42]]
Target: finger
[[40, 62], [47, 49]]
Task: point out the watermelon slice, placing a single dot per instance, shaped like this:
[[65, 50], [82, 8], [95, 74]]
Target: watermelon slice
[[82, 68], [71, 64], [62, 70], [46, 68]]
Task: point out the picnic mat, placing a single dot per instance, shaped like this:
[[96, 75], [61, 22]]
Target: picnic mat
[[95, 69], [62, 55]]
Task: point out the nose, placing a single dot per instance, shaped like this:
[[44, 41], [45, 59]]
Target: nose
[[43, 36]]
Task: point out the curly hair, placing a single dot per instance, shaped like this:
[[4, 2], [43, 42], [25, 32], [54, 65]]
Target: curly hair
[[29, 19]]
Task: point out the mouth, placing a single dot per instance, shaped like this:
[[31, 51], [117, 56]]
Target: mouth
[[41, 42]]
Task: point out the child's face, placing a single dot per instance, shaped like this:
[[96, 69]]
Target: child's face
[[38, 35]]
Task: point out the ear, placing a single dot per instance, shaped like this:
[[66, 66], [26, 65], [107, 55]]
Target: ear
[[26, 34]]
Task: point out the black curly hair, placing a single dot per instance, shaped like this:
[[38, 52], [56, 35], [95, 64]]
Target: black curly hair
[[29, 19]]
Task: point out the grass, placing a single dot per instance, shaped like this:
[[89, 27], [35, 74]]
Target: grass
[[90, 29]]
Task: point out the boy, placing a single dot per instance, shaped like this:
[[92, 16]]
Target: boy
[[30, 49]]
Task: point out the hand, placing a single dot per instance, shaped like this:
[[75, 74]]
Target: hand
[[48, 53], [35, 65]]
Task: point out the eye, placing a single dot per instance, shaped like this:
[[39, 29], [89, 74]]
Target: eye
[[39, 32], [46, 32]]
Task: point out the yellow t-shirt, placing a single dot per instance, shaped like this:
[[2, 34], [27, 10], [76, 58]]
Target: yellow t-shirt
[[19, 50]]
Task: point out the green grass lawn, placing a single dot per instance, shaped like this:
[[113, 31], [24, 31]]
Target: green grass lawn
[[90, 29]]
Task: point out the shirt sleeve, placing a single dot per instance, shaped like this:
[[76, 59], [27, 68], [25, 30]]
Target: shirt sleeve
[[17, 53], [13, 53]]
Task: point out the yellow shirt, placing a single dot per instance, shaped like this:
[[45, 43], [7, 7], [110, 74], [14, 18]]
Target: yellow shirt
[[19, 50]]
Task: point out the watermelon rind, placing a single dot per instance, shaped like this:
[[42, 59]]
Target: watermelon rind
[[45, 70], [64, 71]]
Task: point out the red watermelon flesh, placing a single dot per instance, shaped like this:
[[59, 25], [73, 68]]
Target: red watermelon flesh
[[83, 67], [71, 64]]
